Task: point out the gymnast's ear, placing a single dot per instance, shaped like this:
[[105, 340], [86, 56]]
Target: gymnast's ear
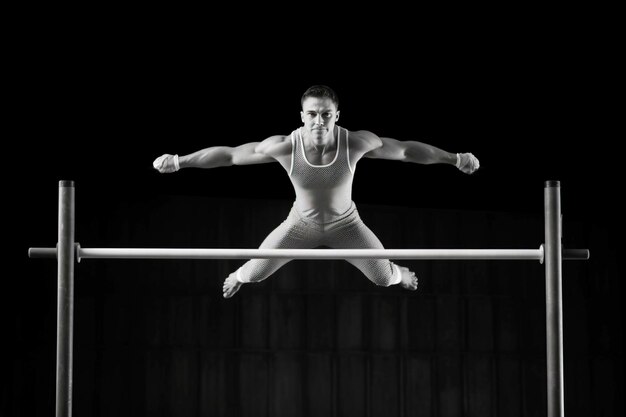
[[302, 116], [337, 116]]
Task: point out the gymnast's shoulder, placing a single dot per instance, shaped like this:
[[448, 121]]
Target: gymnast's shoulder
[[364, 140], [277, 145]]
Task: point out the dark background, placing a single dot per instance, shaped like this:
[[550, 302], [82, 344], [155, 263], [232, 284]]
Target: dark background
[[97, 107]]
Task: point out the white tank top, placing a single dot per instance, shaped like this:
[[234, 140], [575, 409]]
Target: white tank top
[[323, 192]]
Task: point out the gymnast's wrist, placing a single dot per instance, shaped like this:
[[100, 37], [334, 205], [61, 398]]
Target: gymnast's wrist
[[182, 161]]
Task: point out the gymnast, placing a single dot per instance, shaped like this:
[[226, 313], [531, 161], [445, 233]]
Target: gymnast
[[320, 158]]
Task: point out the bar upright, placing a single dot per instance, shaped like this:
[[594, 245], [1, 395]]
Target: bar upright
[[554, 298], [65, 299]]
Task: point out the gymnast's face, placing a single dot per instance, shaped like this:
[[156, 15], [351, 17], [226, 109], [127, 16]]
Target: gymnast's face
[[319, 116]]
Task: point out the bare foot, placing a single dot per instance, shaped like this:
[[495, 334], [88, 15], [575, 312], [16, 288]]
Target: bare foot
[[231, 285], [408, 281]]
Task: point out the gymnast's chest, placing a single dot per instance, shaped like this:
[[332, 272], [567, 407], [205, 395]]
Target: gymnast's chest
[[321, 178]]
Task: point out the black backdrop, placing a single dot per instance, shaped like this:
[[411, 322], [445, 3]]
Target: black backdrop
[[99, 110]]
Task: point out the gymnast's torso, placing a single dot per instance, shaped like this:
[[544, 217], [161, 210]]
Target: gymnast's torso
[[323, 186]]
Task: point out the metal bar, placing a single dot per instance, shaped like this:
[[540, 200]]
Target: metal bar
[[163, 253], [575, 254], [134, 253], [42, 252], [65, 299], [554, 299]]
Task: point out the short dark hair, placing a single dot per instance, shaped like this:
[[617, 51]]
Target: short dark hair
[[320, 91]]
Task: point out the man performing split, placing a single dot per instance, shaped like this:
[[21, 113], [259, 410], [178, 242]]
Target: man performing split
[[320, 158]]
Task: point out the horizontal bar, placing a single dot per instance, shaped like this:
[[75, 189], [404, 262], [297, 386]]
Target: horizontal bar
[[160, 253], [136, 253], [313, 253]]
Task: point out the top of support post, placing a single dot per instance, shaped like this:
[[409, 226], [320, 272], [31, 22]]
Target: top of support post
[[552, 184], [66, 184]]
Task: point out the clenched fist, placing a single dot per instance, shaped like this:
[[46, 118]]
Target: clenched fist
[[467, 162], [166, 163]]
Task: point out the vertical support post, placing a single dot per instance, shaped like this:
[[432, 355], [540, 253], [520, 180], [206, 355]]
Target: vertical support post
[[554, 298], [65, 299]]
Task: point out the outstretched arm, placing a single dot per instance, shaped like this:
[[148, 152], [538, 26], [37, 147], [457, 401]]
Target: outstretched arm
[[422, 153], [221, 156]]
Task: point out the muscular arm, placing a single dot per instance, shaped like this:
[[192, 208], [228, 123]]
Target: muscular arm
[[411, 151], [222, 156], [270, 150]]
